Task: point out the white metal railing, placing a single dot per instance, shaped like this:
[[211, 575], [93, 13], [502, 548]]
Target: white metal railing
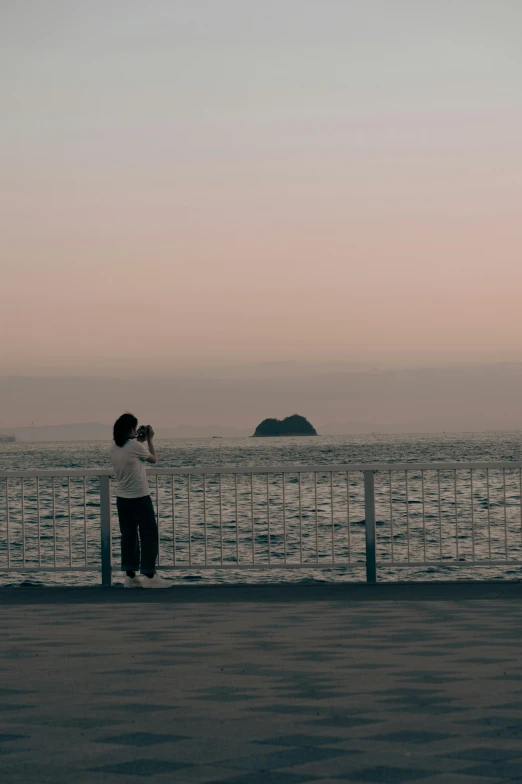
[[368, 516]]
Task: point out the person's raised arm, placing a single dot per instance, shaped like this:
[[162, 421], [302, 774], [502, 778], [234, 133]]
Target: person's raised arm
[[152, 458]]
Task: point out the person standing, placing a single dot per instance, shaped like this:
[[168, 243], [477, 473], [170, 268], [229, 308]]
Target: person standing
[[129, 453]]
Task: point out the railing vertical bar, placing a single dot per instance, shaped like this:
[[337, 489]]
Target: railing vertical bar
[[369, 524], [316, 521], [505, 512], [440, 513], [237, 520], [489, 513], [84, 494], [220, 517], [38, 519], [189, 520], [158, 518], [7, 521], [105, 530], [205, 532], [348, 516], [391, 515], [54, 522], [472, 515], [69, 516], [252, 516], [268, 516], [407, 514], [284, 519], [173, 502], [520, 498], [300, 519], [456, 513], [423, 514], [23, 519], [85, 519], [332, 516]]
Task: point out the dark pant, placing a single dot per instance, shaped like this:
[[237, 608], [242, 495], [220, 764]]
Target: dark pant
[[137, 515]]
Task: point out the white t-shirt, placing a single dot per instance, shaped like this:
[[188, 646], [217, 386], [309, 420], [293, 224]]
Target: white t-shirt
[[129, 465]]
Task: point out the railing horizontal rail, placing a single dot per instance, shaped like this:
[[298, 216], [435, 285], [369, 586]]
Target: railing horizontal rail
[[45, 568], [438, 564], [194, 567]]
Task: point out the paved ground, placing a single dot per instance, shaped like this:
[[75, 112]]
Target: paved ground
[[262, 686]]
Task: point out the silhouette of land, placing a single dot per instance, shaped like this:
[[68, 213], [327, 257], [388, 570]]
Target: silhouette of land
[[294, 425]]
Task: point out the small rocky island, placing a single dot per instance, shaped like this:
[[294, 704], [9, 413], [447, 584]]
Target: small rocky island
[[294, 425]]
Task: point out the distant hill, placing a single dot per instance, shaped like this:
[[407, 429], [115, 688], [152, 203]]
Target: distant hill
[[82, 431], [294, 425]]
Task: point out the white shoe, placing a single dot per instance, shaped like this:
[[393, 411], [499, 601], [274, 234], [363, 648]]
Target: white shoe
[[132, 582], [155, 582]]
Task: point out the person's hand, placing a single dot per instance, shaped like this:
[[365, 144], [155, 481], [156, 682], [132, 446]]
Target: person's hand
[[150, 433]]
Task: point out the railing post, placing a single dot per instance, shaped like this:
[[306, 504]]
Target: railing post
[[369, 515], [106, 539]]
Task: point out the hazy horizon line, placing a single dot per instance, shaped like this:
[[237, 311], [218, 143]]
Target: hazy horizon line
[[304, 368]]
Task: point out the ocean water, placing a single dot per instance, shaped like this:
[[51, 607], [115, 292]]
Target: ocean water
[[445, 519]]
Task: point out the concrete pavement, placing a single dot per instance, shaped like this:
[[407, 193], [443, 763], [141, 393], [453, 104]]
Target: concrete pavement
[[262, 684]]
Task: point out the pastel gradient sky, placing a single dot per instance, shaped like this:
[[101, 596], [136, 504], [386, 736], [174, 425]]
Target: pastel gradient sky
[[188, 183]]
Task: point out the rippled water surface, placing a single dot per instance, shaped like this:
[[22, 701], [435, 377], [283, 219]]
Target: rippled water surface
[[444, 519]]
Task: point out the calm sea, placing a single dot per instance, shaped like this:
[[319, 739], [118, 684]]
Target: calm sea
[[319, 450]]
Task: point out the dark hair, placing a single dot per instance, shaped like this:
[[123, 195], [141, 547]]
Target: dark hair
[[122, 428]]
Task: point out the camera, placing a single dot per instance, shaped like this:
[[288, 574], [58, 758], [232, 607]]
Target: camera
[[143, 431]]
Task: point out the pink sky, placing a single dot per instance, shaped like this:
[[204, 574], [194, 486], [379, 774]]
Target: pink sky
[[191, 184]]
